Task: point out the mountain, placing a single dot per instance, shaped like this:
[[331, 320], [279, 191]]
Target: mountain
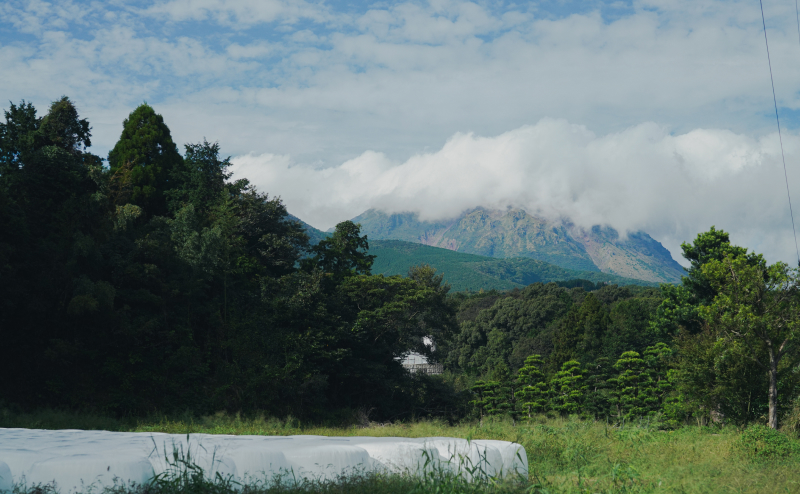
[[473, 272], [470, 271], [314, 235], [516, 234]]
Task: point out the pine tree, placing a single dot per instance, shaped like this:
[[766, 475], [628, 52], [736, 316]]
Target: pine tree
[[495, 399], [533, 392], [505, 393], [633, 386], [656, 359], [481, 391], [598, 395], [146, 147], [568, 388]]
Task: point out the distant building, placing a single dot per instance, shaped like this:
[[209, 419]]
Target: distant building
[[414, 362]]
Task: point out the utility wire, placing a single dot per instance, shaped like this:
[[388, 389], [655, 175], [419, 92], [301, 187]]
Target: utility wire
[[797, 17], [778, 120]]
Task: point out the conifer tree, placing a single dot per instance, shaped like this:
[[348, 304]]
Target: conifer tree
[[146, 147], [656, 358], [481, 390], [598, 393], [568, 388], [495, 399], [533, 392], [504, 393], [633, 386]]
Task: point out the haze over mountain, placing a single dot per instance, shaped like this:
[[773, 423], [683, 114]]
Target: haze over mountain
[[513, 233]]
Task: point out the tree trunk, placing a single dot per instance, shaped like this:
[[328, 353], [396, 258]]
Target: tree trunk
[[773, 389]]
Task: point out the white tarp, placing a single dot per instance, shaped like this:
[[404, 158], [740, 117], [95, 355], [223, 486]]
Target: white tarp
[[75, 459]]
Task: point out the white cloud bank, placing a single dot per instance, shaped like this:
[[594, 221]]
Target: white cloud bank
[[671, 186]]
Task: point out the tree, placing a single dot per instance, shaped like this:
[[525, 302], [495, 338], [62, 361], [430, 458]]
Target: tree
[[16, 135], [598, 396], [483, 393], [657, 359], [710, 374], [146, 146], [642, 383], [49, 214], [679, 309], [631, 386], [568, 388], [342, 254], [62, 127], [508, 328], [757, 305], [199, 178], [580, 333], [505, 399], [533, 392], [713, 245]]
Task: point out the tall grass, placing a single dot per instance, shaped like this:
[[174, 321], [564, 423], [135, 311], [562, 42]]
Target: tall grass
[[564, 455]]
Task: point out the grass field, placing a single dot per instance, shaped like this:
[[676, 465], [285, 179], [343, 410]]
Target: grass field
[[565, 455]]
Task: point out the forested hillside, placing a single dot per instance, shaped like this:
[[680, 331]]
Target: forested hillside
[[156, 284], [469, 272], [722, 346]]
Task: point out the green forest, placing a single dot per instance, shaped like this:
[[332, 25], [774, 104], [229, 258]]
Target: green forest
[[470, 272], [151, 282]]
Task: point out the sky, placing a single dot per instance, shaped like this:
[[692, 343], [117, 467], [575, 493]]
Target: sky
[[640, 115]]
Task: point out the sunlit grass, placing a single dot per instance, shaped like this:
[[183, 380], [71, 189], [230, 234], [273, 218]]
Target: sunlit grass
[[565, 455]]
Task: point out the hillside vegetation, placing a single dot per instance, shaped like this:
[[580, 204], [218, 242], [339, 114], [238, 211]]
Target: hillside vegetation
[[469, 272], [155, 284]]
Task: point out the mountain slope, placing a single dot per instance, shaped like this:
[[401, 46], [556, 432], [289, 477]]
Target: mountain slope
[[314, 235], [470, 271], [515, 233], [473, 272]]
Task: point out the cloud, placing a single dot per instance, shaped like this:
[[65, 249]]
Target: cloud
[[323, 83], [642, 178], [309, 86], [237, 13]]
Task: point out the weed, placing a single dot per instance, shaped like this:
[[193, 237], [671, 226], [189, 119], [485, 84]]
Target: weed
[[760, 443]]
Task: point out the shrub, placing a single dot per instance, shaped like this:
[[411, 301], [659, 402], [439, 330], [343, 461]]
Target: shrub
[[760, 443]]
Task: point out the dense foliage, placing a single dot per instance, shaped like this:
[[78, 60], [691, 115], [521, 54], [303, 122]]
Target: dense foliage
[[158, 284], [467, 272], [721, 347]]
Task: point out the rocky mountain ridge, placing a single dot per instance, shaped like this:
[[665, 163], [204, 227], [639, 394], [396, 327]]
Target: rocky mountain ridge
[[514, 233]]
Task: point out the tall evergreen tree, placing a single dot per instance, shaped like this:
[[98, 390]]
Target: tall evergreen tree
[[633, 384], [598, 392], [533, 392], [568, 388], [146, 151]]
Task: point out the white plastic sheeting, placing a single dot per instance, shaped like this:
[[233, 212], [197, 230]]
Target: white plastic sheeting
[[76, 459]]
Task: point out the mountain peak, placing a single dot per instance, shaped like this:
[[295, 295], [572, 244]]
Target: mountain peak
[[513, 233]]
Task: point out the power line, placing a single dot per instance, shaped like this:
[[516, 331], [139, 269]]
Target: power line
[[778, 120], [796, 16]]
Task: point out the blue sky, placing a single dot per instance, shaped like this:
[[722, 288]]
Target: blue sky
[[343, 105]]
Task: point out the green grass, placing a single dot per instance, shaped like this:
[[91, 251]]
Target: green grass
[[473, 272], [565, 455]]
